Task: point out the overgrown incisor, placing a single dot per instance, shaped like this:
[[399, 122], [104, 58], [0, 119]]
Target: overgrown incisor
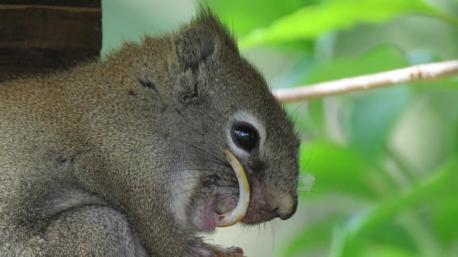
[[125, 156]]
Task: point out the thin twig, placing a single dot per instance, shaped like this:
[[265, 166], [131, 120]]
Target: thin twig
[[383, 79]]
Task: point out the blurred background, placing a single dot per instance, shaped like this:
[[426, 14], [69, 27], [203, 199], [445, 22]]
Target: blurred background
[[379, 169]]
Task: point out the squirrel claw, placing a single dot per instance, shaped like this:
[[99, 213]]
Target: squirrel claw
[[232, 251], [217, 251]]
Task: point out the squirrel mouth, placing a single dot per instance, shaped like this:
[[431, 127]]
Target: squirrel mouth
[[211, 216], [232, 217]]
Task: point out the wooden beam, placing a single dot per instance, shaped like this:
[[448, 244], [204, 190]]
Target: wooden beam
[[70, 3], [46, 35]]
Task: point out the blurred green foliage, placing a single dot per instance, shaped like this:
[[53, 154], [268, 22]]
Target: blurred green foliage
[[390, 155]]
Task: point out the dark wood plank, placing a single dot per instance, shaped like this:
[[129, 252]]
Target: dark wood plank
[[39, 38], [81, 3], [50, 28]]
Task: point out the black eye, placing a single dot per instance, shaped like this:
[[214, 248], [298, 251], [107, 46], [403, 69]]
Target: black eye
[[245, 136]]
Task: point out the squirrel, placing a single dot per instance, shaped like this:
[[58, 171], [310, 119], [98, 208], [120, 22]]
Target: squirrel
[[124, 156]]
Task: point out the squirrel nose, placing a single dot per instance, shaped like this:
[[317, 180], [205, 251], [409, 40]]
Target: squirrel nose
[[287, 206]]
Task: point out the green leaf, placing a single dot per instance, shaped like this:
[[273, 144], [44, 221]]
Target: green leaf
[[336, 168], [369, 117], [245, 16], [317, 235], [391, 239], [307, 118], [440, 184], [365, 247], [378, 250], [313, 21], [381, 58], [444, 218]]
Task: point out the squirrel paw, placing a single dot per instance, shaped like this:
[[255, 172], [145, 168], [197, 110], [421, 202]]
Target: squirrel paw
[[217, 251]]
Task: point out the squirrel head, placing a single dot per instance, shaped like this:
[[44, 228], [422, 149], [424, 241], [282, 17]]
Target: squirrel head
[[201, 98]]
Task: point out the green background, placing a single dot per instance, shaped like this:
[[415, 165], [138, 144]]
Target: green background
[[379, 169]]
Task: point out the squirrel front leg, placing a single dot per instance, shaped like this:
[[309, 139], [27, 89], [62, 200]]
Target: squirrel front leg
[[163, 238], [87, 231], [103, 231]]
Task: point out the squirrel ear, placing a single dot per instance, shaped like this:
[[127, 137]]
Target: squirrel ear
[[194, 45]]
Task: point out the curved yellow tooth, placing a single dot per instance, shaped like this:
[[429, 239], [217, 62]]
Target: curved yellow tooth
[[237, 214]]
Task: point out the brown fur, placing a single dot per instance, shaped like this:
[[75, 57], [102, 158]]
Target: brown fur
[[88, 156]]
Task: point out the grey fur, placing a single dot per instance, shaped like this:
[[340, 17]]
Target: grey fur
[[90, 158]]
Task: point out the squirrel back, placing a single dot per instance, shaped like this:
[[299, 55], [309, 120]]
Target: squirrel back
[[134, 144]]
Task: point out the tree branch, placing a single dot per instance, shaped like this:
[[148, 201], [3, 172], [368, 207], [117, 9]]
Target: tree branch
[[383, 79]]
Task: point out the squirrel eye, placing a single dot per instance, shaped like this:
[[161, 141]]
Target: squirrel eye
[[245, 136]]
